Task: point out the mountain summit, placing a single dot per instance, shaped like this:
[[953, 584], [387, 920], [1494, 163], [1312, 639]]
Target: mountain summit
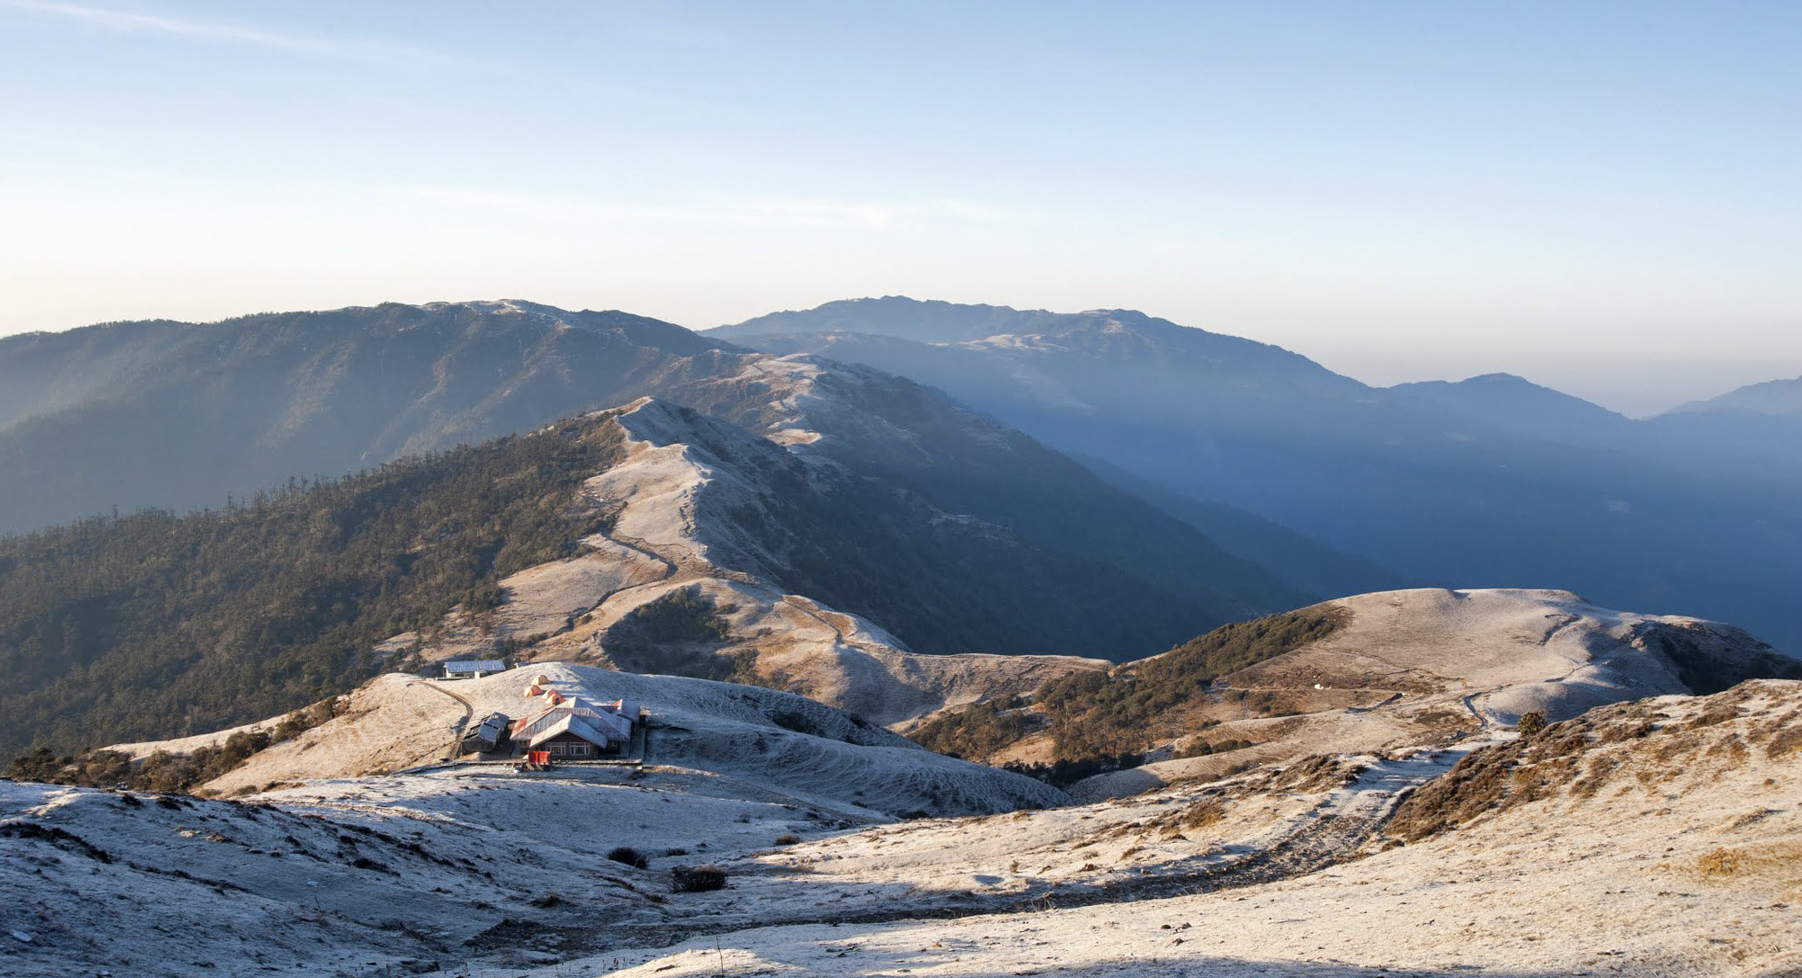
[[1521, 407], [1104, 334], [1773, 397]]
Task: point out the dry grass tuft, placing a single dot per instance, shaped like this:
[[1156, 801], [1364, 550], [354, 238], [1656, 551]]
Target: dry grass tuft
[[1718, 713], [1595, 776], [1785, 741], [1721, 862], [1203, 814], [1777, 862]]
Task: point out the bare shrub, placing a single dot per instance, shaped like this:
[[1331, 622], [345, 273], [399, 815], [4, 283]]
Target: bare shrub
[[697, 879], [629, 856], [364, 862]]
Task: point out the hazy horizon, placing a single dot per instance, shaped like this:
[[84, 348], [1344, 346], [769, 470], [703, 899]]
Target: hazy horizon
[[1635, 387], [1597, 198]]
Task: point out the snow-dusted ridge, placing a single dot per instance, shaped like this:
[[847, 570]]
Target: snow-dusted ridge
[[686, 494]]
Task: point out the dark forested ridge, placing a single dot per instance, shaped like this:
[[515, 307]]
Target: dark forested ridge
[[176, 415], [1101, 720], [1123, 711], [153, 625]]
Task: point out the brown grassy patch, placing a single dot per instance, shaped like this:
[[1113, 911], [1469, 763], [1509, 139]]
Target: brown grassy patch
[[1475, 785], [1600, 769], [1202, 814], [1785, 741], [1775, 727], [1320, 772], [1732, 749], [1716, 714], [1774, 862], [1751, 818], [1722, 863], [1671, 747], [1636, 731]]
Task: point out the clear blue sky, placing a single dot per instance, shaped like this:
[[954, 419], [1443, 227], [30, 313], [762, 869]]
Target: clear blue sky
[[1601, 196]]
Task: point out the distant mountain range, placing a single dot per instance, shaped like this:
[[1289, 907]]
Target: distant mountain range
[[1752, 435], [1775, 398], [181, 415], [1492, 481], [1233, 476]]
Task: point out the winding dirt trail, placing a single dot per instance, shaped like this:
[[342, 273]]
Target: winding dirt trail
[[839, 623], [1559, 624], [1336, 833], [643, 548], [469, 710]]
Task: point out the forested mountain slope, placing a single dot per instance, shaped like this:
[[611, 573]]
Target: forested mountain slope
[[655, 538], [122, 628], [180, 415]]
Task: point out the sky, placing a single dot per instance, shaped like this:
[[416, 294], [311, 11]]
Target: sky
[[1599, 196]]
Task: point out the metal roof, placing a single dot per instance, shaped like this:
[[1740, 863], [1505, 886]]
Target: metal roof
[[610, 725], [615, 726], [496, 721], [476, 665], [583, 727]]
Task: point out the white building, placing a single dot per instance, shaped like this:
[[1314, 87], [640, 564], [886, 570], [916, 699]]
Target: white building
[[473, 668]]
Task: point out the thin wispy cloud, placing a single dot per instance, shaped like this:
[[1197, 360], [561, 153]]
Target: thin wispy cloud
[[361, 49]]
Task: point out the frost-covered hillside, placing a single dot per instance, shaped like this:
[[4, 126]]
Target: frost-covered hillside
[[1646, 838], [1653, 838]]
